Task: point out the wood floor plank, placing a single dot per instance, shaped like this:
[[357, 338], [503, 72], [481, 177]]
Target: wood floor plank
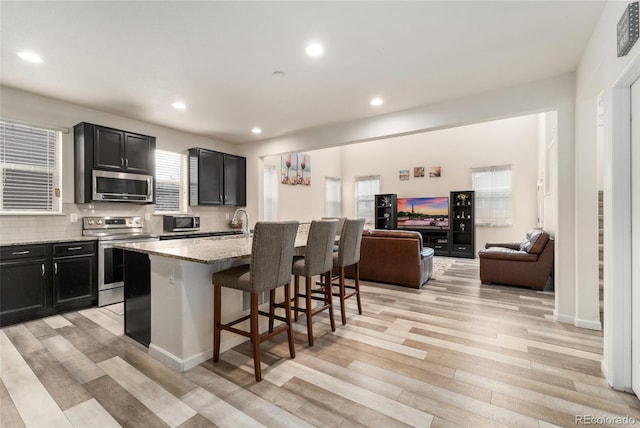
[[65, 390], [454, 353], [166, 406], [90, 414], [9, 415], [31, 399]]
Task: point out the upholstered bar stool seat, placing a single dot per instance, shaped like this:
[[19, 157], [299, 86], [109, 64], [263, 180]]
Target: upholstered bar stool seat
[[317, 260], [348, 255], [270, 267]]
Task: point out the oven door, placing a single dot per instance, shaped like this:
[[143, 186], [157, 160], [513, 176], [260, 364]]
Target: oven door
[[111, 270]]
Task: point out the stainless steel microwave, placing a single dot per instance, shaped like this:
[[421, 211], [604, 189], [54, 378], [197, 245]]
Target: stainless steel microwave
[[122, 186], [180, 223]]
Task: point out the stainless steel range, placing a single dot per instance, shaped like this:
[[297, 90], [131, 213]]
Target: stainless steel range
[[111, 231]]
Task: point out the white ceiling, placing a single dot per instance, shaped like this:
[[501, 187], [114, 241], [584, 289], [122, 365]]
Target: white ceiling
[[136, 58]]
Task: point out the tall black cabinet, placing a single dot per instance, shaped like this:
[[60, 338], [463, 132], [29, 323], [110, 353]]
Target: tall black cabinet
[[462, 223], [386, 211]]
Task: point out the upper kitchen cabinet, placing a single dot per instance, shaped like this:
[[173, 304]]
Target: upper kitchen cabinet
[[114, 150], [216, 178]]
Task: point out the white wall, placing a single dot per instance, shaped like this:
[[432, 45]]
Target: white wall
[[557, 93], [38, 110], [511, 141], [306, 203], [598, 73]]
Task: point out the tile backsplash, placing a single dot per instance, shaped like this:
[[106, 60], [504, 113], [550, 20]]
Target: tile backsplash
[[43, 227]]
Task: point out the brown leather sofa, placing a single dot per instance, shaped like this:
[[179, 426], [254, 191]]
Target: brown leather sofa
[[527, 264], [394, 256]]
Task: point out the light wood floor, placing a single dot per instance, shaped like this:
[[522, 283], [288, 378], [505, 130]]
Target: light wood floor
[[454, 353]]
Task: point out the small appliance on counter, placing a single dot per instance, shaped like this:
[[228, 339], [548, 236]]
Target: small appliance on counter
[[181, 223]]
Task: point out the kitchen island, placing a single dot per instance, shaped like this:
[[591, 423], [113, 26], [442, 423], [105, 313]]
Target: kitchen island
[[181, 295]]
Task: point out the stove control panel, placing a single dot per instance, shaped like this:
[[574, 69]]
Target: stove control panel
[[111, 222]]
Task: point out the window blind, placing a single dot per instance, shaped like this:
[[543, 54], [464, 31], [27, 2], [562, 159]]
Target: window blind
[[333, 197], [366, 189], [169, 181], [493, 195], [29, 163]]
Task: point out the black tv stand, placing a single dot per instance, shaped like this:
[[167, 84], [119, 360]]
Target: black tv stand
[[438, 239]]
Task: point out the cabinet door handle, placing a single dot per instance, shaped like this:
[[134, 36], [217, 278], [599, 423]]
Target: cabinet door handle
[[42, 268], [20, 253], [126, 162], [55, 268], [74, 248], [121, 161], [220, 197]]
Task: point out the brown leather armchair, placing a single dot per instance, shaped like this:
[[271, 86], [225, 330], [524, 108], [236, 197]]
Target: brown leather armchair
[[396, 257], [528, 263]]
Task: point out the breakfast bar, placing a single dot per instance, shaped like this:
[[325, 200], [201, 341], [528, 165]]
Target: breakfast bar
[[181, 295]]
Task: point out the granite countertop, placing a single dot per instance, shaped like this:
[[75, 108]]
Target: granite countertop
[[228, 231], [202, 250], [41, 240], [33, 241]]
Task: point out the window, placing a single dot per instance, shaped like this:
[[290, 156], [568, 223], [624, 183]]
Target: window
[[366, 189], [493, 200], [170, 187], [270, 192], [30, 163], [333, 197]]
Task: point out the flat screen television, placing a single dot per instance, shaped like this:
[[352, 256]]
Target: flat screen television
[[423, 213]]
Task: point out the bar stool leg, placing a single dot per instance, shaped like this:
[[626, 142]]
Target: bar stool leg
[[216, 321], [287, 308], [328, 297], [254, 336], [309, 310], [357, 283], [296, 291], [272, 308], [343, 310]]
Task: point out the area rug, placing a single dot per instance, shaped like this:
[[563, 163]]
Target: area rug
[[440, 266]]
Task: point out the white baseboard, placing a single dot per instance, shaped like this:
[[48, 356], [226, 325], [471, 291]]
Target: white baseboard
[[175, 363], [563, 318], [591, 325]]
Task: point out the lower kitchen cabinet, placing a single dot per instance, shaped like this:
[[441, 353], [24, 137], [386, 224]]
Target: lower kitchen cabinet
[[25, 291], [74, 274], [44, 279]]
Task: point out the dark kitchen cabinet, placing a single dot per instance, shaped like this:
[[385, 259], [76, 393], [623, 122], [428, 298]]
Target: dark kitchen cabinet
[[74, 274], [44, 279], [121, 150], [25, 291], [137, 296], [216, 178], [108, 149]]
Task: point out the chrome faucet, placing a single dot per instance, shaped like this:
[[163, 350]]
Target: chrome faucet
[[245, 224]]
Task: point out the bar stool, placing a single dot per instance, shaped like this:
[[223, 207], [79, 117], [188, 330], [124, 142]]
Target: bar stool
[[317, 260], [270, 267], [348, 254]]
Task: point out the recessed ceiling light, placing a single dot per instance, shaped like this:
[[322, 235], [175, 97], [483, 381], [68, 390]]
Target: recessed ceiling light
[[179, 105], [30, 56], [315, 49], [376, 101], [256, 130]]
